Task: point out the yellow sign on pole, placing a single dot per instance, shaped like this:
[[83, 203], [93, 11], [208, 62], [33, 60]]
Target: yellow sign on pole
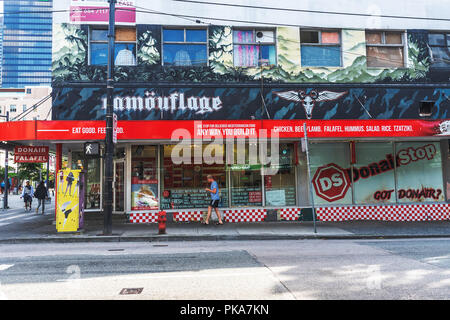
[[68, 201]]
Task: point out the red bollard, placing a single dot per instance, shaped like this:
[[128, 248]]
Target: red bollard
[[162, 219]]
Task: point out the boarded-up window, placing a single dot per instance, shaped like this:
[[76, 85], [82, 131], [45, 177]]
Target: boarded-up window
[[385, 49], [126, 34]]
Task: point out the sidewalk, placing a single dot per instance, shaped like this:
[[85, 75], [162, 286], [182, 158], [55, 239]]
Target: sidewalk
[[16, 226]]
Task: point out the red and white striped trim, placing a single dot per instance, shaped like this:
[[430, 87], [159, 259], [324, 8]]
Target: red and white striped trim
[[422, 212], [245, 215], [147, 217], [188, 216], [289, 214]]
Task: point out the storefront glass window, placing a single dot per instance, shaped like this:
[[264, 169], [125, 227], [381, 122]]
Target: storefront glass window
[[280, 187], [93, 184], [184, 184], [330, 163], [92, 169], [374, 173], [144, 178], [419, 172], [246, 178]]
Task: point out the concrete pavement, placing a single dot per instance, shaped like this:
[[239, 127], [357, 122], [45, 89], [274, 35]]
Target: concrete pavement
[[304, 269]]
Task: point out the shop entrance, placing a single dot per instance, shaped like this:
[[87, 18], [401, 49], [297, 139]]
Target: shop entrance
[[119, 186]]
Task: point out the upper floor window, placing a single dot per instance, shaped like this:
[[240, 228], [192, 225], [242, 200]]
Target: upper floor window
[[125, 47], [440, 49], [320, 48], [254, 47], [185, 47], [385, 49], [12, 108]]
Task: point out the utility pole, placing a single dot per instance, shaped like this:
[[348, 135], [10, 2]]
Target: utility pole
[[48, 172], [7, 186], [311, 192], [109, 145]]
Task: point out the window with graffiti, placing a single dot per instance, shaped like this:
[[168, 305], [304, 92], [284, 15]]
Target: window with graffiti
[[331, 180], [419, 172], [369, 173]]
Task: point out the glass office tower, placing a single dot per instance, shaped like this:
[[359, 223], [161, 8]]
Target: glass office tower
[[27, 43]]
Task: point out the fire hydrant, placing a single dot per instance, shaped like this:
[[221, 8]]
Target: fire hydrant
[[162, 219]]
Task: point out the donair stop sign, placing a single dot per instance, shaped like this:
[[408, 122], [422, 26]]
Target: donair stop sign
[[331, 182]]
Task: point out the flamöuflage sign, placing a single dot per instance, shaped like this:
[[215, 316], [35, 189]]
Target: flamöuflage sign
[[31, 154]]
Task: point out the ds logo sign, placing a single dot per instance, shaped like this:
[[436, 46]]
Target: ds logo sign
[[331, 182]]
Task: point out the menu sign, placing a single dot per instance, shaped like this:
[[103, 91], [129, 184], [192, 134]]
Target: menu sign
[[244, 197], [190, 198]]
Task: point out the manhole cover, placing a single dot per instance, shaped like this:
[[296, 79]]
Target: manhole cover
[[126, 291]]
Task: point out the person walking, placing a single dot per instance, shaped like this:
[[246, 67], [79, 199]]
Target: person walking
[[215, 198], [41, 194], [27, 195]]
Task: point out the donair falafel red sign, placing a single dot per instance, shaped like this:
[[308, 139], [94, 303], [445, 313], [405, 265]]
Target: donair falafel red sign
[[31, 154], [418, 176]]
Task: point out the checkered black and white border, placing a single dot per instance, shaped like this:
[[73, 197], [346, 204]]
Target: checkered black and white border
[[147, 217], [188, 216], [289, 214], [423, 212], [245, 215]]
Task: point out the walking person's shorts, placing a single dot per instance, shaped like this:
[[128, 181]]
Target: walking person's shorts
[[214, 203]]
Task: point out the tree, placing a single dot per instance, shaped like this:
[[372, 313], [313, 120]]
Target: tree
[[11, 172], [29, 171]]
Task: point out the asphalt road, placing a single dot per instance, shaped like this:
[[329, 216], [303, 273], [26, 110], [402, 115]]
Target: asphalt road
[[309, 269]]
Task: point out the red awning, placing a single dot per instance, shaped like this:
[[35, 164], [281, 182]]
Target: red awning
[[167, 129]]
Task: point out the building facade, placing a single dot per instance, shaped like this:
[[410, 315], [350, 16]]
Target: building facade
[[27, 43], [371, 87], [30, 103]]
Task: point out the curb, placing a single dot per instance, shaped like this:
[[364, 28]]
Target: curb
[[169, 238]]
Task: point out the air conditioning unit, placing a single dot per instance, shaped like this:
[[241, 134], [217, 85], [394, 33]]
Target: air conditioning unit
[[265, 36]]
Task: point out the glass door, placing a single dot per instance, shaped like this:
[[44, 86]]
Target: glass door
[[119, 186]]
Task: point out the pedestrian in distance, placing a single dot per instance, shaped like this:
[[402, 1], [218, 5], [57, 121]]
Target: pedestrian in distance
[[27, 195], [215, 199], [41, 194]]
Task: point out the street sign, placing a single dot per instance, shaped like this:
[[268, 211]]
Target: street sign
[[114, 128], [31, 154], [92, 149], [331, 182]]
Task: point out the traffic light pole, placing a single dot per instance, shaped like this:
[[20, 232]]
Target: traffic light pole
[[308, 162], [6, 178], [109, 145]]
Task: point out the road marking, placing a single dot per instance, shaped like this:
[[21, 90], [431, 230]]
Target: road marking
[[16, 217], [29, 218], [9, 214], [4, 267], [177, 276]]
